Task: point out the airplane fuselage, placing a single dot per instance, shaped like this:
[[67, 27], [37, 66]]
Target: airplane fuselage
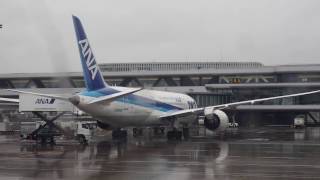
[[142, 108]]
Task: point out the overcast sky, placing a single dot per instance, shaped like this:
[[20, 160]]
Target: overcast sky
[[38, 35]]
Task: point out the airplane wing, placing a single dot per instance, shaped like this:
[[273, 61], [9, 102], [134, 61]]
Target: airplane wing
[[182, 113], [222, 106], [114, 96], [10, 100]]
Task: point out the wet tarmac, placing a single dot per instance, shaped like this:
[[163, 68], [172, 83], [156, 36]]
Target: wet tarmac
[[264, 153]]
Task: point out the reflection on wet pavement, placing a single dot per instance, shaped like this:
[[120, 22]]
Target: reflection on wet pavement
[[265, 153]]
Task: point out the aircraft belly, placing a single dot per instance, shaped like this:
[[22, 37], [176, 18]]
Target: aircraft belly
[[118, 114]]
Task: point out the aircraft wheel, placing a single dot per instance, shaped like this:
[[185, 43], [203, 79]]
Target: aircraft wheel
[[119, 134], [178, 135], [124, 134], [135, 132], [170, 135], [174, 135], [158, 130], [162, 130], [185, 132]]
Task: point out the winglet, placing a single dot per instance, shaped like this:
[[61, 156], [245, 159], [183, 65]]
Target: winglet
[[39, 94], [9, 100]]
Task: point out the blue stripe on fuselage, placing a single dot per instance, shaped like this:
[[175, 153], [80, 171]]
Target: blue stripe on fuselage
[[133, 99]]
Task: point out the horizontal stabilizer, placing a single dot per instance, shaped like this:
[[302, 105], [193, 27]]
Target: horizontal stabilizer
[[9, 100], [114, 96], [40, 94]]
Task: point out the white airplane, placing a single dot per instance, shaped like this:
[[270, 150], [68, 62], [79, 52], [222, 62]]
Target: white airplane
[[121, 107]]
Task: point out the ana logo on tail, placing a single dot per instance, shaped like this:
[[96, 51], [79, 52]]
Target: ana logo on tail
[[90, 59]]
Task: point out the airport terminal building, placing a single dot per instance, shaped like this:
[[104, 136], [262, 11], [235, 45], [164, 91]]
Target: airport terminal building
[[209, 83]]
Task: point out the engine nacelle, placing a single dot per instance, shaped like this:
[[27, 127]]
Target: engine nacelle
[[216, 120]]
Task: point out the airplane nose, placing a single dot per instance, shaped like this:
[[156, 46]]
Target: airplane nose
[[75, 100]]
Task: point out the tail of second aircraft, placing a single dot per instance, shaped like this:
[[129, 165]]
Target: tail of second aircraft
[[92, 75]]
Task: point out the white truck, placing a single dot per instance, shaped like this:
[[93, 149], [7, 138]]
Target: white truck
[[84, 131], [299, 121]]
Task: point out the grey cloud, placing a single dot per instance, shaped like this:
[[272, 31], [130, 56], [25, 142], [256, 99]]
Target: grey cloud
[[40, 33]]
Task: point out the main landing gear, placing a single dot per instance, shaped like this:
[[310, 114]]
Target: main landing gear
[[158, 131], [119, 134], [137, 132], [175, 134]]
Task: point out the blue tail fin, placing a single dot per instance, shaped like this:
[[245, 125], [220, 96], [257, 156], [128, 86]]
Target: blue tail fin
[[92, 75]]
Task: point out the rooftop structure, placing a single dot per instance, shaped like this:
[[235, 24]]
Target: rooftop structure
[[176, 66]]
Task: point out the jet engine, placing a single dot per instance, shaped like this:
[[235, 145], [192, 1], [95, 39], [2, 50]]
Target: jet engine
[[215, 120]]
